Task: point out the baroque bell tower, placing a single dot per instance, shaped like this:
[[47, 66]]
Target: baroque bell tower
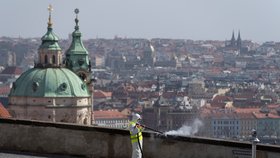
[[77, 58]]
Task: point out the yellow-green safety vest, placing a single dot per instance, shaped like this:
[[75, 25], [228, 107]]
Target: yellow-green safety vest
[[134, 138]]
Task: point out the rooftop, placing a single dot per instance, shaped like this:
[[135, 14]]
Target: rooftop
[[4, 112], [12, 70], [108, 114]]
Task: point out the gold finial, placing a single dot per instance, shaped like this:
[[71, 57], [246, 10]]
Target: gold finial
[[50, 9]]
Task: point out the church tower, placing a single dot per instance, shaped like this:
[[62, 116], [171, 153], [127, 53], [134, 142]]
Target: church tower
[[77, 58]]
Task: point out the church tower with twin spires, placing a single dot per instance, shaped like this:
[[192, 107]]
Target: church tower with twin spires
[[235, 44]]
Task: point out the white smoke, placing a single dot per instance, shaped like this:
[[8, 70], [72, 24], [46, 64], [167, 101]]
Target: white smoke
[[187, 130]]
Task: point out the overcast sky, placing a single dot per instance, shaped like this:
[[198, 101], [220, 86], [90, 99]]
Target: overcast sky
[[257, 20]]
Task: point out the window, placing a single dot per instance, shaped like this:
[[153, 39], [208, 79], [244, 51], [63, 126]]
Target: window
[[53, 58], [46, 59]]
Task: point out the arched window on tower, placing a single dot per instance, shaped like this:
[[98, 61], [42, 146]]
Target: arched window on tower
[[53, 59], [46, 59]]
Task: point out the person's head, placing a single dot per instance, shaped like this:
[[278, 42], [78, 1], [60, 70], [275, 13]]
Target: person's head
[[136, 117]]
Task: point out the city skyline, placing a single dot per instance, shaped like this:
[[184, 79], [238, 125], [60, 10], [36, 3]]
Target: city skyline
[[180, 19]]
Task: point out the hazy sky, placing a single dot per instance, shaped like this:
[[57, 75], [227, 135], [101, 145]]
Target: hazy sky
[[257, 20]]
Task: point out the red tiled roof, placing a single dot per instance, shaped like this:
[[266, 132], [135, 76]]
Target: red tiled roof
[[126, 88], [4, 112], [220, 98], [273, 106], [217, 114], [266, 115], [256, 112], [246, 115], [244, 96], [97, 94], [12, 70], [247, 110], [109, 114], [220, 101]]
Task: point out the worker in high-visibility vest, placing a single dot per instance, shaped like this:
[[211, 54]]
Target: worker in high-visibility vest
[[136, 136]]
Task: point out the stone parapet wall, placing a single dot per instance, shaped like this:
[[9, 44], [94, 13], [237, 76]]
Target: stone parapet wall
[[88, 141]]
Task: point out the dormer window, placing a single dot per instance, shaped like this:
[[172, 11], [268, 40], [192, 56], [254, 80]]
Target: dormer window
[[63, 86], [35, 86]]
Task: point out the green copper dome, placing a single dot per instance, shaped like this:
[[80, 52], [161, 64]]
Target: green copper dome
[[50, 36], [50, 41], [77, 46], [49, 82]]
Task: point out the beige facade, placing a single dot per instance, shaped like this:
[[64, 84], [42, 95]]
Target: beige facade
[[50, 57], [79, 115]]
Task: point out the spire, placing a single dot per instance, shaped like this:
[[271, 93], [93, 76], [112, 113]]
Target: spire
[[239, 37], [76, 20], [232, 41], [50, 9], [239, 41], [77, 58], [232, 37], [76, 46]]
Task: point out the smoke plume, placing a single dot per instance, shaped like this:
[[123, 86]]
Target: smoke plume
[[187, 130]]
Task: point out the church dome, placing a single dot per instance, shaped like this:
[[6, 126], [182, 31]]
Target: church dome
[[50, 41], [49, 82], [50, 36]]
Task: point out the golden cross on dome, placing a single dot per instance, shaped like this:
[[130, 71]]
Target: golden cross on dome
[[50, 9]]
